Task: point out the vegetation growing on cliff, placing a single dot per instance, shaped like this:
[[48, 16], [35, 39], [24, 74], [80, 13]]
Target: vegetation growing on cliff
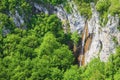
[[84, 7], [105, 7]]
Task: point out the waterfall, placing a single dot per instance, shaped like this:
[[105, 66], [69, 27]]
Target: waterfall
[[85, 37], [83, 40]]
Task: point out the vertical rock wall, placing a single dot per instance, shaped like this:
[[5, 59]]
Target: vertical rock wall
[[102, 44], [74, 19]]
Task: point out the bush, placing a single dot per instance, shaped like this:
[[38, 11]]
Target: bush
[[115, 7], [102, 5], [67, 8]]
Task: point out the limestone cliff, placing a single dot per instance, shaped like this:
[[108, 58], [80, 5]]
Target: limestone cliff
[[97, 40], [102, 44]]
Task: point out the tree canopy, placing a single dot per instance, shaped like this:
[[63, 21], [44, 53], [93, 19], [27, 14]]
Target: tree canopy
[[40, 50]]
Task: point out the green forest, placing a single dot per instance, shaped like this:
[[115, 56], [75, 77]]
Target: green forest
[[40, 50]]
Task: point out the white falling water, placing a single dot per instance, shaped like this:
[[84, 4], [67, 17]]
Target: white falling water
[[83, 42], [83, 45]]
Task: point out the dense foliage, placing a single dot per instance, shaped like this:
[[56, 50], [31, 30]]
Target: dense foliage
[[96, 70], [52, 2], [106, 7], [40, 51]]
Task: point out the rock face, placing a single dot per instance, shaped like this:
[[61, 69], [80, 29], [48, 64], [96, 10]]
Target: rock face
[[75, 20], [18, 20], [102, 44], [40, 8]]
